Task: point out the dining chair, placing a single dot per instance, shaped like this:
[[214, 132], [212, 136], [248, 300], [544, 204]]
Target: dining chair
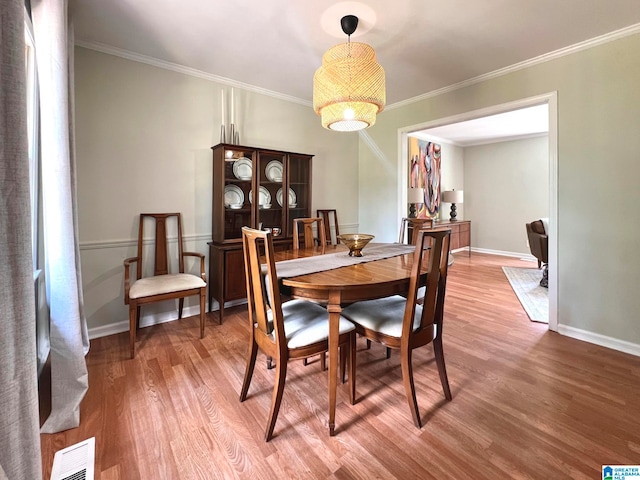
[[162, 285], [284, 331], [330, 219], [404, 324], [414, 225], [309, 241], [308, 236]]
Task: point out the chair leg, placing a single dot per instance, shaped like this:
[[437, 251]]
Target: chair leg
[[137, 318], [278, 389], [352, 368], [248, 372], [323, 362], [368, 344], [203, 299], [409, 387], [180, 307], [133, 326], [343, 362], [437, 348], [388, 353]]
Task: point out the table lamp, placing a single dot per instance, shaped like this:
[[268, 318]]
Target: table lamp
[[414, 195], [452, 197]]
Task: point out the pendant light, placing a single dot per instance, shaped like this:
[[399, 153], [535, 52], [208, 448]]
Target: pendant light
[[349, 87]]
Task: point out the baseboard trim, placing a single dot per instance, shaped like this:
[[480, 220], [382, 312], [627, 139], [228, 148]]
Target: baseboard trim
[[602, 340], [488, 251], [154, 319]]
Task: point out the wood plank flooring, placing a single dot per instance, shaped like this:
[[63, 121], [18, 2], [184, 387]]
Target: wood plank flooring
[[527, 403]]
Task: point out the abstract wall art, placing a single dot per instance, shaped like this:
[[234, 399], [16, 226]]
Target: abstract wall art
[[424, 172]]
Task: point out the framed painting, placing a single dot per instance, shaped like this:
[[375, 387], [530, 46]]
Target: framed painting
[[424, 172]]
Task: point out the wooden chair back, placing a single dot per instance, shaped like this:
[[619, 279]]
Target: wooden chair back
[[330, 219], [161, 243], [263, 292], [432, 252], [308, 236], [415, 224]]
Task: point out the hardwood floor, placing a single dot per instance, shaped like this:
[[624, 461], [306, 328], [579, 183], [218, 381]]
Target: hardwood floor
[[527, 403]]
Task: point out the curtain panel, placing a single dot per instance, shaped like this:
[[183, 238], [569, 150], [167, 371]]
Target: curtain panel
[[19, 436], [69, 338]]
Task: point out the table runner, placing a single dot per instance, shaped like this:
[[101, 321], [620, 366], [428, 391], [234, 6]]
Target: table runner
[[320, 263]]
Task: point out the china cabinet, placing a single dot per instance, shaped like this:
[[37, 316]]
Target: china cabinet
[[259, 188]]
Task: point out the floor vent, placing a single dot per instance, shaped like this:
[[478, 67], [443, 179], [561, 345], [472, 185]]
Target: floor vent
[[75, 462]]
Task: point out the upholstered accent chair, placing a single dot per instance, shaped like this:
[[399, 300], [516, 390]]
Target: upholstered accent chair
[[539, 245], [162, 285], [284, 331], [403, 323]]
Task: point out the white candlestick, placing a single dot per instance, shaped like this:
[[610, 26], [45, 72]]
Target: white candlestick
[[232, 108], [222, 105]]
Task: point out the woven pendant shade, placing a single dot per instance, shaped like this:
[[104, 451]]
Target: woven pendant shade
[[349, 87]]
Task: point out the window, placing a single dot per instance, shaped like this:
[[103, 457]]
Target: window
[[32, 133]]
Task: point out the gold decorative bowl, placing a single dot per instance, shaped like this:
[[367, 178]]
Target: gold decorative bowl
[[355, 242]]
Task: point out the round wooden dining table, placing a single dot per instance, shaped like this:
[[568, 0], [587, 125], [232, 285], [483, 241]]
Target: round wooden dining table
[[342, 286]]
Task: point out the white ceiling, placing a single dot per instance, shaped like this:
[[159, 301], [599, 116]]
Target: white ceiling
[[522, 123], [277, 45]]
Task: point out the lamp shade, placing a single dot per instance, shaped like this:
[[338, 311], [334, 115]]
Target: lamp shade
[[453, 196], [349, 87], [415, 195]]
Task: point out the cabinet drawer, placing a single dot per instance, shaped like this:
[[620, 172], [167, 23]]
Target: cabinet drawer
[[464, 227], [455, 240]]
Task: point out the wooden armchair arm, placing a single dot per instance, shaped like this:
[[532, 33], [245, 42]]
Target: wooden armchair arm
[[201, 256], [127, 263]]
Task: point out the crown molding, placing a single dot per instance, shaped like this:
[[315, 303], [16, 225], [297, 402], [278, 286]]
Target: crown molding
[[174, 67], [593, 42]]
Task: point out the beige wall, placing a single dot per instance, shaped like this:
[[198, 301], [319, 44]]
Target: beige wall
[[143, 144], [598, 145], [506, 185], [143, 138]]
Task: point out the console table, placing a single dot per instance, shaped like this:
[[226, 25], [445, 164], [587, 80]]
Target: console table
[[460, 233]]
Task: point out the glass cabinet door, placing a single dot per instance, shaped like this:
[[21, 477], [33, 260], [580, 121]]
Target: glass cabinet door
[[238, 176], [299, 186], [271, 201]]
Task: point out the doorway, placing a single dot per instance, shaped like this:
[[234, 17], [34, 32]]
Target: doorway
[[550, 100]]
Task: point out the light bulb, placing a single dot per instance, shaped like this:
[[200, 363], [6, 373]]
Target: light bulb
[[349, 114]]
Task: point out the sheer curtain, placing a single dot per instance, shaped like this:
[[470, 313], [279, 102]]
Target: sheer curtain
[[19, 437], [69, 338]]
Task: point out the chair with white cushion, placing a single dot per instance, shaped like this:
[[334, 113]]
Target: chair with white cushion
[[162, 285], [284, 331], [403, 323]]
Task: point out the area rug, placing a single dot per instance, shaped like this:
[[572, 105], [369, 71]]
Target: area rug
[[534, 298]]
